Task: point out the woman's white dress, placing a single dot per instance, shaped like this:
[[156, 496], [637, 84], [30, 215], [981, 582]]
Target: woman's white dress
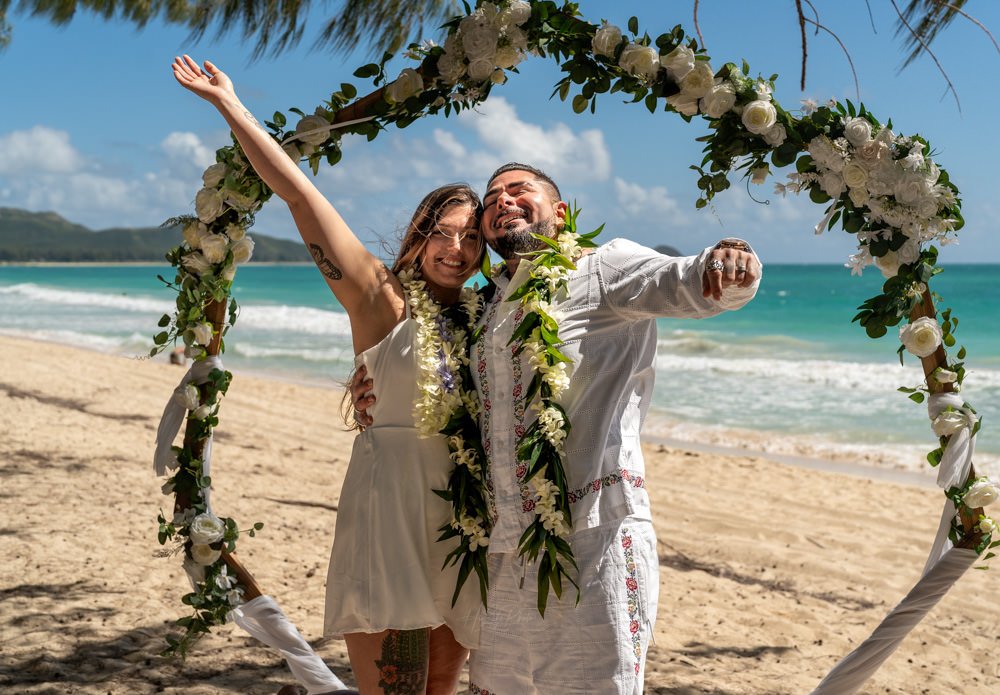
[[386, 566]]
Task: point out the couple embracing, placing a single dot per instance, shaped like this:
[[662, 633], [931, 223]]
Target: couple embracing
[[407, 628]]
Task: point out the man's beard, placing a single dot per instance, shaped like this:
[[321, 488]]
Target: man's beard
[[518, 241]]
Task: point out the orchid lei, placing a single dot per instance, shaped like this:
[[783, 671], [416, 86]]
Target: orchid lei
[[542, 446], [447, 404]]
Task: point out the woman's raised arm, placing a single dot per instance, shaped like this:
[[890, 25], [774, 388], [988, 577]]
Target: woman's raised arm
[[360, 281]]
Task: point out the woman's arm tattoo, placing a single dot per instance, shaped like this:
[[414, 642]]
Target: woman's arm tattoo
[[323, 263]]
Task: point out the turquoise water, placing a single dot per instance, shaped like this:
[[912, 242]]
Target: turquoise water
[[790, 363]]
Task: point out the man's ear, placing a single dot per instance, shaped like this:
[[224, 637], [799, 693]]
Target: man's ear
[[560, 208]]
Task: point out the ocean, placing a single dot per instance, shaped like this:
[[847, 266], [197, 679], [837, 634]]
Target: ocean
[[789, 373]]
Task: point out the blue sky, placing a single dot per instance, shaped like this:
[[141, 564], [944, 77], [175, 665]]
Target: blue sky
[[92, 126]]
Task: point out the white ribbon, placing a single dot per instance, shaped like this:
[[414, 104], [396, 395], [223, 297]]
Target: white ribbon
[[858, 666], [945, 564], [173, 415], [263, 619], [953, 471]]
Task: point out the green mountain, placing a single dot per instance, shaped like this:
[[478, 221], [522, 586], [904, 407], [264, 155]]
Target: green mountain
[[45, 236]]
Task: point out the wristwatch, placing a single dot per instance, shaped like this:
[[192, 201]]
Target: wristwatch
[[733, 244]]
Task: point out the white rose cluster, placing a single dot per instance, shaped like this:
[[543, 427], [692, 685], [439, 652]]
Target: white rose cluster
[[233, 247], [485, 43], [891, 178]]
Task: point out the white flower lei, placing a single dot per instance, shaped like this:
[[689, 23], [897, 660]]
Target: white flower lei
[[442, 351], [542, 446], [447, 405]]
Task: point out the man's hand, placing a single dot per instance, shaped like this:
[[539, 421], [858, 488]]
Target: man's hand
[[728, 266], [362, 397]]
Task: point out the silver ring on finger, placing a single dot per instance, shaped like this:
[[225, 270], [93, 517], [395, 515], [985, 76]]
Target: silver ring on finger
[[715, 264], [741, 269]]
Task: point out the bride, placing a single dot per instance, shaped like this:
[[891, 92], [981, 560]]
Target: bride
[[387, 595]]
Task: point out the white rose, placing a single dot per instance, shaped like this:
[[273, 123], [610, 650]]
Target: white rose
[[201, 333], [293, 151], [684, 104], [606, 40], [758, 175], [235, 232], [641, 61], [507, 57], [206, 529], [205, 554], [208, 204], [190, 397], [910, 191], [517, 38], [242, 250], [214, 175], [312, 130], [498, 76], [699, 81], [480, 39], [858, 131], [450, 68], [855, 175], [981, 493], [831, 182], [201, 412], [776, 135], [229, 272], [987, 526], [921, 337], [949, 422], [408, 84], [196, 263], [214, 247], [759, 116], [859, 197], [678, 63], [481, 69], [194, 232], [719, 99], [517, 13], [888, 264], [871, 152]]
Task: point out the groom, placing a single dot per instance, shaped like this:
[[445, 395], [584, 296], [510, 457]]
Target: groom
[[607, 323]]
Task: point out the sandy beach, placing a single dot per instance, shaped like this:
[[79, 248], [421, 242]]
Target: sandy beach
[[769, 573]]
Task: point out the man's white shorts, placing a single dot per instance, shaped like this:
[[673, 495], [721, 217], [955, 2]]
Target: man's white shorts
[[598, 646]]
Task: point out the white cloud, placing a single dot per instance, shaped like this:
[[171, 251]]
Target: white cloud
[[38, 150], [559, 151], [449, 144], [636, 200], [187, 148]]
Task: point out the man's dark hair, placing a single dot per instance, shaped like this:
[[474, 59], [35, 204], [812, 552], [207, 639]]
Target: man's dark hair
[[537, 173]]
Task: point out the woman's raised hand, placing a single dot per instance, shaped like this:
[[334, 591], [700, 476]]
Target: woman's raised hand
[[212, 84]]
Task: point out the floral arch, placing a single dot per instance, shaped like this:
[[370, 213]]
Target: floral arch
[[880, 186]]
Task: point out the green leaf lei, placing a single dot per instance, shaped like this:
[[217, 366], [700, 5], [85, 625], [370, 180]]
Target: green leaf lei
[[542, 444], [447, 403]]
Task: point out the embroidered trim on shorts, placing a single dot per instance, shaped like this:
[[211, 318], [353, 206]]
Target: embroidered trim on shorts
[[632, 594]]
